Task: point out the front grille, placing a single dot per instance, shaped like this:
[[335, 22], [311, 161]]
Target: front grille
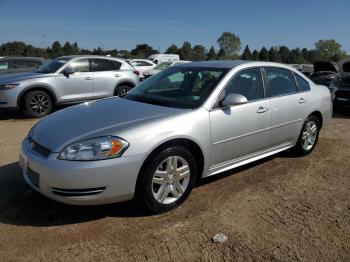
[[33, 177], [77, 192], [39, 149], [343, 94]]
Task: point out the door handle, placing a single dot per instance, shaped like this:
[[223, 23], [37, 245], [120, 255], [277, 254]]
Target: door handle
[[117, 75], [88, 78], [302, 101], [262, 110]]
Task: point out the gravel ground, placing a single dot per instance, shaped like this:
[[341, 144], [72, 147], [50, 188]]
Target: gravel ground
[[281, 208]]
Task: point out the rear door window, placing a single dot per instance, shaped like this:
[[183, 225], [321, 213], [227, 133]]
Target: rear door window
[[280, 82], [99, 65], [117, 65]]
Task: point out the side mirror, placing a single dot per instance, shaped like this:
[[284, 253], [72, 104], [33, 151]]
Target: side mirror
[[233, 100], [68, 71]]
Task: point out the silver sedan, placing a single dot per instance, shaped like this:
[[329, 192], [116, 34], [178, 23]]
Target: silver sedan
[[189, 121]]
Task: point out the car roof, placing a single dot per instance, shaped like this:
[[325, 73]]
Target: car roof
[[216, 64], [92, 56], [22, 57], [229, 64]]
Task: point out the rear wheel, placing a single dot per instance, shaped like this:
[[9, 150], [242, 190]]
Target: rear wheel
[[37, 104], [308, 136], [122, 90], [168, 180]]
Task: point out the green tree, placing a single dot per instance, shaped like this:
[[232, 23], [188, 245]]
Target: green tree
[[211, 54], [329, 50], [255, 55], [229, 43], [199, 53], [143, 51], [186, 52], [56, 49], [173, 49], [67, 49], [247, 54], [75, 48], [98, 51], [113, 52], [222, 55], [273, 55], [284, 54], [124, 54], [263, 54]]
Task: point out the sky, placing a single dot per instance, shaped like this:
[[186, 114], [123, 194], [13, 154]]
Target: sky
[[160, 23]]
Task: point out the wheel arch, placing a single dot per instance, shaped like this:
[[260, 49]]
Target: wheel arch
[[187, 143], [124, 82], [36, 88], [318, 114]]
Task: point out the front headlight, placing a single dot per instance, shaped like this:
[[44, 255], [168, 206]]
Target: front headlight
[[8, 86], [95, 149]]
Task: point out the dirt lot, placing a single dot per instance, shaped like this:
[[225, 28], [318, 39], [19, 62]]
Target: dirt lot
[[282, 208]]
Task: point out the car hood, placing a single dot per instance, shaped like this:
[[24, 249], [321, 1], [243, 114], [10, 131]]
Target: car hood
[[324, 66], [17, 77], [91, 119]]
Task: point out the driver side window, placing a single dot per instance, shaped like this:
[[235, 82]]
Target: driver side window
[[80, 65], [247, 83]]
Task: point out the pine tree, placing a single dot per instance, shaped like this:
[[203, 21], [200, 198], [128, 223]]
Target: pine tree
[[211, 54], [263, 54], [247, 55]]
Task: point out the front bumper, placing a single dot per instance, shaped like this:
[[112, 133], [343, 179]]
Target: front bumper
[[341, 98], [80, 182], [8, 98]]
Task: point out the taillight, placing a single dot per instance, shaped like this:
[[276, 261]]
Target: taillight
[[136, 72]]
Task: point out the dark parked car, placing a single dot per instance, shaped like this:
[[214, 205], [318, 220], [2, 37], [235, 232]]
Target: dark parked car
[[324, 73], [19, 64], [340, 88]]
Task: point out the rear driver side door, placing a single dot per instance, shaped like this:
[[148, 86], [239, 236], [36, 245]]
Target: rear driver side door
[[287, 106]]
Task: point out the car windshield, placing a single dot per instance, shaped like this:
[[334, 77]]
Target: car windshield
[[179, 87], [162, 66], [52, 66]]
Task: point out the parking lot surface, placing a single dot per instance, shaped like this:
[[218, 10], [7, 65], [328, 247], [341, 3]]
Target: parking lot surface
[[282, 208]]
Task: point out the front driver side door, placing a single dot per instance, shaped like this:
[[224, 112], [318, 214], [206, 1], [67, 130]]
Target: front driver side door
[[239, 132], [77, 86]]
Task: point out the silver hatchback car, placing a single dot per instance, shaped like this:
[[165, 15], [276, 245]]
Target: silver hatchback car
[[66, 80], [189, 121]]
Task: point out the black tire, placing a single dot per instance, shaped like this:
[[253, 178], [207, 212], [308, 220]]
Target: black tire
[[301, 150], [122, 90], [37, 104], [145, 188]]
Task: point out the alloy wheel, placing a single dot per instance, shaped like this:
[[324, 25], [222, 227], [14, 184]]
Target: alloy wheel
[[170, 180], [309, 135], [39, 104]]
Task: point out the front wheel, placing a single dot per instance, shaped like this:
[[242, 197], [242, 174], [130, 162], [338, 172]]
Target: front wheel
[[168, 180], [308, 136], [37, 104]]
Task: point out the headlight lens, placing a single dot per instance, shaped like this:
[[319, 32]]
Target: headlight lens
[[8, 86], [95, 149]]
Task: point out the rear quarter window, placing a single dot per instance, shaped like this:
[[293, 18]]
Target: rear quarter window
[[303, 85]]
